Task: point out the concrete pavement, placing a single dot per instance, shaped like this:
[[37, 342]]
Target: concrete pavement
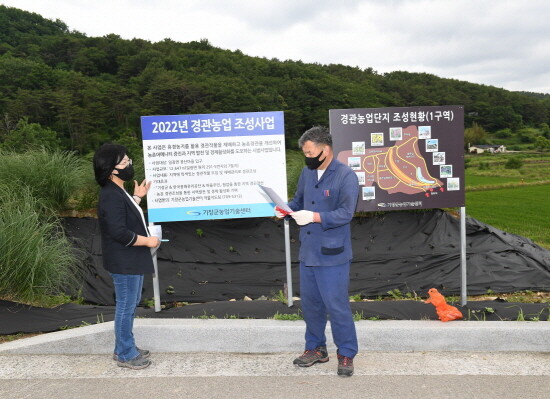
[[194, 358], [236, 375]]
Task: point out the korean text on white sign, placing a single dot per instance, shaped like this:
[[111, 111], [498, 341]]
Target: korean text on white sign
[[209, 166]]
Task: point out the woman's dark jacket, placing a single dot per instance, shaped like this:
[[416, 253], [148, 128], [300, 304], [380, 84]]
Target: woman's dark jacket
[[120, 223]]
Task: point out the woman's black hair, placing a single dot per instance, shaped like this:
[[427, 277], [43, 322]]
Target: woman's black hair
[[105, 159]]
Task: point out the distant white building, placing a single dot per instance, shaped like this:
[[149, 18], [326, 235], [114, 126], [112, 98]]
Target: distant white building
[[481, 148]]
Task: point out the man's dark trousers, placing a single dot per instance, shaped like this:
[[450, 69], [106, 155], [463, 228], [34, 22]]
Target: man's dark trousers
[[324, 290]]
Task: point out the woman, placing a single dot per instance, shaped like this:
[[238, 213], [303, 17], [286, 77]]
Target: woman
[[125, 243]]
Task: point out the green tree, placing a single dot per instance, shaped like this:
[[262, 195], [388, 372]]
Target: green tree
[[501, 117], [30, 135], [513, 163], [542, 143], [90, 61], [474, 135], [504, 133]]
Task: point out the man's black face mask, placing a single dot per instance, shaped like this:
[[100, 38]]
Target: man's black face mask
[[315, 162]]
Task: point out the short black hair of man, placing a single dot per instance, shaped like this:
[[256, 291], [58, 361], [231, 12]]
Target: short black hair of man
[[318, 135]]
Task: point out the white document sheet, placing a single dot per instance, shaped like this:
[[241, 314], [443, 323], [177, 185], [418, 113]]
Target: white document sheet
[[275, 198]]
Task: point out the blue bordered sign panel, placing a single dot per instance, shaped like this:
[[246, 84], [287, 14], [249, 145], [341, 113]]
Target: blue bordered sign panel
[[209, 166], [404, 158]]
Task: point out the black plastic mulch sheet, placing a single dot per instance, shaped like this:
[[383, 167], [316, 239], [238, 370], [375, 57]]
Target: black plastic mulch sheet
[[18, 318], [410, 251]]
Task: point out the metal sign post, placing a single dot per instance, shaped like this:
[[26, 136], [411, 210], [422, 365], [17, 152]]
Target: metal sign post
[[156, 231], [463, 291], [290, 301]]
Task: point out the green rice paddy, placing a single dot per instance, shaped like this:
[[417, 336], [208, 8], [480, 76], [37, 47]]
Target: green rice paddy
[[473, 180], [524, 211], [514, 200]]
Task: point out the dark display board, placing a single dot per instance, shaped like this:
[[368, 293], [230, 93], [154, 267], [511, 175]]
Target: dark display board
[[404, 158]]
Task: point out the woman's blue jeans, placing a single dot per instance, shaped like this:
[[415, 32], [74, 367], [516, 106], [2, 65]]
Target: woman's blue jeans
[[128, 295]]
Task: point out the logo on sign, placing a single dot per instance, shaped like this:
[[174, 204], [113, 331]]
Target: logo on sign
[[194, 213]]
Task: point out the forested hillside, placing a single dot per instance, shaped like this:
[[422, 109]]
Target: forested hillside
[[61, 88]]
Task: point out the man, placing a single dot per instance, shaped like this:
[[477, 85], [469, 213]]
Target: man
[[323, 206]]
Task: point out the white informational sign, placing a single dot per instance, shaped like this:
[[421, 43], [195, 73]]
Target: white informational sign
[[209, 166]]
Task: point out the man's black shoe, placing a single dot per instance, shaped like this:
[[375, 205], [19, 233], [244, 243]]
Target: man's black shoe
[[312, 356], [345, 366]]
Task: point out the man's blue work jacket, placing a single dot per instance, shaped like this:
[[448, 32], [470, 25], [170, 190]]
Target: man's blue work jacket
[[335, 197]]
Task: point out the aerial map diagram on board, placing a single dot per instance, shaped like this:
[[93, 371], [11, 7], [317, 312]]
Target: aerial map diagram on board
[[404, 158], [399, 168]]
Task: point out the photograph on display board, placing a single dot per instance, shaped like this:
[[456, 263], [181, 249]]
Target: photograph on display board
[[396, 133], [354, 163], [361, 178], [446, 171], [377, 139], [413, 156], [358, 148], [368, 193], [453, 184], [424, 132], [431, 145], [438, 158]]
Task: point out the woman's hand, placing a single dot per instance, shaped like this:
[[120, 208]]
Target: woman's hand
[[142, 189], [150, 242], [153, 242]]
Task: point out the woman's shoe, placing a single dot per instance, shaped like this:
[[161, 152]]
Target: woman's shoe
[[137, 363]]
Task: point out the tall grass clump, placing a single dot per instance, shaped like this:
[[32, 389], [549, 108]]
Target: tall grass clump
[[294, 166], [52, 176], [36, 258]]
